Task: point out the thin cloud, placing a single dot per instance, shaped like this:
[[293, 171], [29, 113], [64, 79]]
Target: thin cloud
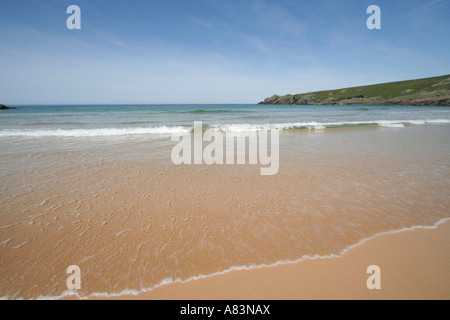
[[111, 39], [279, 19], [201, 23], [259, 44]]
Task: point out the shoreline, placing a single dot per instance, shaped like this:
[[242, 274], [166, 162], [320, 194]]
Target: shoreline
[[131, 220], [274, 281]]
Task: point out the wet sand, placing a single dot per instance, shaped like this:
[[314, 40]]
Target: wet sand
[[132, 220], [415, 264]]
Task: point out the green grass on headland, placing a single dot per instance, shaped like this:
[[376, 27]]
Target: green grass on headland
[[393, 92]]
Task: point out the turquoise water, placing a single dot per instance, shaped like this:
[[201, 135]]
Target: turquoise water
[[119, 120]]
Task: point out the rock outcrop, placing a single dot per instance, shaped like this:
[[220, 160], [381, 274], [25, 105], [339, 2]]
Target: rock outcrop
[[3, 107], [422, 92]]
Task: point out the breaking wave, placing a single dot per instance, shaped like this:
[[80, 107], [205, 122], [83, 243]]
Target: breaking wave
[[167, 130]]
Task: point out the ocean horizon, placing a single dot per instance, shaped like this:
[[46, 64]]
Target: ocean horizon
[[112, 120]]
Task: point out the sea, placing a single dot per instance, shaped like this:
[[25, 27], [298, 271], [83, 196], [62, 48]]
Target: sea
[[124, 120], [95, 186]]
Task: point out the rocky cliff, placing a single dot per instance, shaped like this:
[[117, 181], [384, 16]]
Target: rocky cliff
[[422, 92]]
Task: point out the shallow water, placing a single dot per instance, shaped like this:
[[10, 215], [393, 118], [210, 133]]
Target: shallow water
[[116, 205]]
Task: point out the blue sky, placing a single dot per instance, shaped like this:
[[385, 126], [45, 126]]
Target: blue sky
[[212, 51]]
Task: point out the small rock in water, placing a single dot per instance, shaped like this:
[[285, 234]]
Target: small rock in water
[[3, 107]]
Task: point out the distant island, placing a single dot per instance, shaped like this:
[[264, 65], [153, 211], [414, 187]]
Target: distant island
[[3, 107], [433, 91]]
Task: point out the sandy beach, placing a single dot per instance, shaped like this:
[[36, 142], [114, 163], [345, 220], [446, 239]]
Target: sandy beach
[[224, 150], [133, 221], [414, 264]]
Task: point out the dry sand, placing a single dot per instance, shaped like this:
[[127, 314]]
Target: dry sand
[[415, 264]]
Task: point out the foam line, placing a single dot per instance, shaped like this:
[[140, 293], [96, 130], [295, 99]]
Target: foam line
[[70, 293]]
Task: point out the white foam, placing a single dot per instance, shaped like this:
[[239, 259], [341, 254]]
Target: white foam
[[101, 132], [392, 125], [118, 234], [418, 122], [313, 125], [166, 130], [20, 245], [71, 293], [438, 121]]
